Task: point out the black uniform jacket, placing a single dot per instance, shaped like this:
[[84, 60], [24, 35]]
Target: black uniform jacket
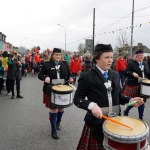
[[91, 84], [48, 70], [133, 66], [14, 71]]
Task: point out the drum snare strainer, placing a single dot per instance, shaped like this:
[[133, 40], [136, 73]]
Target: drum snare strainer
[[117, 137]]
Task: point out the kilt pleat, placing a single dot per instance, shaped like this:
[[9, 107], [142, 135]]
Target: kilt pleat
[[131, 91], [87, 142], [47, 101]]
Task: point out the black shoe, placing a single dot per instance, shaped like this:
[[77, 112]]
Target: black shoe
[[58, 126], [19, 96], [141, 119], [12, 97], [54, 135]]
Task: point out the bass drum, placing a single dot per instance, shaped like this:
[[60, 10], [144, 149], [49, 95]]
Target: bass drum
[[117, 137]]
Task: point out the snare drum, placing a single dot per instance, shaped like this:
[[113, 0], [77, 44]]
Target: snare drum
[[61, 95], [145, 88], [117, 137]]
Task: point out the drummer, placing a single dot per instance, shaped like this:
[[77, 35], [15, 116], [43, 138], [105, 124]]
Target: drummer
[[91, 85], [53, 72], [135, 69]]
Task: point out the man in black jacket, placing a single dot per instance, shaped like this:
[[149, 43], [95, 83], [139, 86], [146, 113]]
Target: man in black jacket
[[136, 69]]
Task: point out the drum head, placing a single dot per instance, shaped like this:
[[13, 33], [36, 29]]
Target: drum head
[[138, 127], [146, 82], [62, 89]]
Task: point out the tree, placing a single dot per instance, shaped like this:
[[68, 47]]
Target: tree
[[81, 47], [123, 42], [33, 48]]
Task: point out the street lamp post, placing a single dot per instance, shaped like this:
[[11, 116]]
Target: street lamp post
[[65, 34], [22, 41]]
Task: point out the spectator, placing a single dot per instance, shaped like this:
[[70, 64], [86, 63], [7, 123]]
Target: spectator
[[87, 62], [1, 77], [75, 67], [14, 73], [120, 67], [67, 57]]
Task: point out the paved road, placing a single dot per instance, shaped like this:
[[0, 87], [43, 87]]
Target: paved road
[[24, 123]]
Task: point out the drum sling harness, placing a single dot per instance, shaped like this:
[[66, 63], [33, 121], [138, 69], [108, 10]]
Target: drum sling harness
[[142, 69], [109, 89]]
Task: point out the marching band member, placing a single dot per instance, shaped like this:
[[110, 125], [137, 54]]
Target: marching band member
[[101, 86], [51, 73], [135, 70]]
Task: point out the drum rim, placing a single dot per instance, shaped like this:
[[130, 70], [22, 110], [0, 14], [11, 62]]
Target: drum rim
[[128, 139], [61, 92], [111, 148], [145, 83], [62, 106]]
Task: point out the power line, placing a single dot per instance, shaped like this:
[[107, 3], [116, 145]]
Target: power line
[[108, 26], [142, 8], [120, 17]]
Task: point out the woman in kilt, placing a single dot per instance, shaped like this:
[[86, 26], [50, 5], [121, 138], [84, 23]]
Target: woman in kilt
[[50, 71], [91, 85], [135, 70]]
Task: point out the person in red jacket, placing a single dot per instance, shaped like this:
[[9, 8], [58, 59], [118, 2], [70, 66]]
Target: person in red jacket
[[121, 64], [75, 67]]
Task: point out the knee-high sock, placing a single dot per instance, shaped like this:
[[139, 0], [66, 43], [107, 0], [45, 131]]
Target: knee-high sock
[[141, 111], [53, 121], [59, 116]]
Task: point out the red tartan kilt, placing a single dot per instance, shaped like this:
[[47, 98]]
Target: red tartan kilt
[[87, 142], [131, 91], [47, 101]]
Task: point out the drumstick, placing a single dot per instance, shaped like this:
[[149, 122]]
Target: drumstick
[[116, 121], [73, 86], [130, 103]]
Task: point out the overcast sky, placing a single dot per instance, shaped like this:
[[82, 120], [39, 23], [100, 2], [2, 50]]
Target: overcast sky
[[35, 22]]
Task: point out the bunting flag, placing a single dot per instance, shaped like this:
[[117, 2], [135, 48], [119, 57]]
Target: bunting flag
[[135, 26]]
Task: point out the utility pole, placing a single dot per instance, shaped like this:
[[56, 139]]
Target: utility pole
[[132, 28], [93, 31]]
